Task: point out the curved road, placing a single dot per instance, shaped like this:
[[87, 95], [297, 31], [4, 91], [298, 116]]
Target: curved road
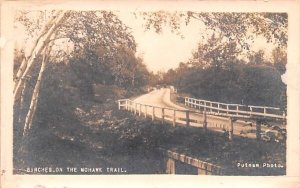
[[160, 98]]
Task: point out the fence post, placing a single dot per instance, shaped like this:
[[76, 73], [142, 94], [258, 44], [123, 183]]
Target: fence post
[[153, 113], [204, 121], [145, 111], [187, 118], [126, 104], [174, 117], [218, 108], [230, 128], [258, 130], [140, 109], [208, 169], [204, 165], [119, 104], [201, 171], [211, 107], [170, 166], [163, 114], [135, 108], [237, 110], [227, 109]]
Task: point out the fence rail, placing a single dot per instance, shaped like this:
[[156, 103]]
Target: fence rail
[[203, 168], [229, 125], [234, 110], [179, 117]]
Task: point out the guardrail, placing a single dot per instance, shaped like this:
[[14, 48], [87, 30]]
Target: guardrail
[[203, 168], [163, 113], [181, 117], [234, 110], [228, 126]]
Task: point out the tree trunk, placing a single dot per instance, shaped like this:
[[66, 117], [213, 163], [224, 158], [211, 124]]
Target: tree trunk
[[35, 97], [22, 103], [37, 51], [36, 42], [133, 79]]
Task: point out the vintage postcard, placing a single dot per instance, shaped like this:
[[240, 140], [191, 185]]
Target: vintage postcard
[[155, 94]]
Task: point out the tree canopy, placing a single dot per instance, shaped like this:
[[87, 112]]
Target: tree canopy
[[95, 45], [240, 27]]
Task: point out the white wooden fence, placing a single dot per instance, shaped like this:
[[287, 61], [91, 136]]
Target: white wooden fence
[[207, 118], [156, 112], [182, 117], [234, 110]]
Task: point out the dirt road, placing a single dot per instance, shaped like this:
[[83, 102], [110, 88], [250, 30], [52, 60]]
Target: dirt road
[[160, 98]]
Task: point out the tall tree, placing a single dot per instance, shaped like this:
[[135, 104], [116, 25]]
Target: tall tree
[[216, 52], [257, 58], [82, 30], [279, 58], [40, 43]]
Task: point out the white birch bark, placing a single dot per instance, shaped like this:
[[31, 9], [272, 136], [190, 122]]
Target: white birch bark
[[36, 91], [44, 30], [35, 97], [44, 40], [22, 102]]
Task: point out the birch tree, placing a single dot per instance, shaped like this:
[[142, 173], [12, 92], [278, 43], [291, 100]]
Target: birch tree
[[35, 95], [82, 30], [39, 44]]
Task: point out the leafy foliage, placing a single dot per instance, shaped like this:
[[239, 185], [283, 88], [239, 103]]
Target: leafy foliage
[[215, 53], [89, 30], [241, 83], [89, 46], [217, 72], [225, 68], [234, 26], [279, 57]]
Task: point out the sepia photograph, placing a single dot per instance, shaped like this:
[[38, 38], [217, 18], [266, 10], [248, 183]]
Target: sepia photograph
[[116, 91]]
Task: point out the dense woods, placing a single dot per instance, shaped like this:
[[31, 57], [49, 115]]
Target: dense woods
[[80, 50], [82, 55], [217, 72], [254, 81], [225, 67]]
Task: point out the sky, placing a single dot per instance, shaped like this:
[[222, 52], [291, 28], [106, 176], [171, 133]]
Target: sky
[[159, 51], [166, 50]]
